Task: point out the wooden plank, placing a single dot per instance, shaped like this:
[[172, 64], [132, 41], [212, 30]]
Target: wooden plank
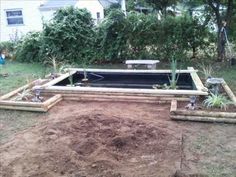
[[125, 90], [19, 103], [8, 95], [229, 92], [203, 119], [27, 86], [52, 100], [54, 81], [54, 103], [173, 106], [204, 113], [130, 71], [197, 81], [116, 100], [115, 95], [22, 108]]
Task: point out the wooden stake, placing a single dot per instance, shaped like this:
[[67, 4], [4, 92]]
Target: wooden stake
[[173, 106]]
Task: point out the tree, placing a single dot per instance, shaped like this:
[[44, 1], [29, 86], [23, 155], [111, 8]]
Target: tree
[[227, 14], [70, 35], [162, 5]]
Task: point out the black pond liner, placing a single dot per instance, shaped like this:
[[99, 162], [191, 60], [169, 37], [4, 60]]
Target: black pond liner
[[129, 80]]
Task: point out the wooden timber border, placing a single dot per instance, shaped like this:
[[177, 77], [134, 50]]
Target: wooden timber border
[[71, 91], [30, 106], [200, 116], [7, 103]]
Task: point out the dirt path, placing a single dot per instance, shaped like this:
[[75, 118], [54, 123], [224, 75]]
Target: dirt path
[[106, 139]]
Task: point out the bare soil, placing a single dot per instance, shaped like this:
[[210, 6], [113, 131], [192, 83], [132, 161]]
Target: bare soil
[[107, 139]]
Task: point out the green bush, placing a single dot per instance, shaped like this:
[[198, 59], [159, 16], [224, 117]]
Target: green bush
[[111, 38], [142, 34], [70, 35], [217, 101], [29, 48], [8, 48]]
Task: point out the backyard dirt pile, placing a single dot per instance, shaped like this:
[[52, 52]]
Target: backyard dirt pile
[[117, 139], [94, 143]]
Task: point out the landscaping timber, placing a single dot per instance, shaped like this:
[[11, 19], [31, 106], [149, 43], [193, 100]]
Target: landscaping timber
[[204, 119], [229, 92], [30, 106], [200, 115]]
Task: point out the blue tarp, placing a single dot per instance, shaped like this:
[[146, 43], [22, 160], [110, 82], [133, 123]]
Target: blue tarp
[[2, 61]]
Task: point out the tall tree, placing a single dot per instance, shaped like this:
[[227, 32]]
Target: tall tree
[[222, 11], [162, 5]]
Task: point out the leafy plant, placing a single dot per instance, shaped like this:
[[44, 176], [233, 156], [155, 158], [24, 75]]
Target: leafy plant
[[70, 35], [29, 47], [174, 76], [57, 65], [24, 95], [216, 101], [206, 70]]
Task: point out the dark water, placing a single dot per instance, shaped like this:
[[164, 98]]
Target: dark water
[[129, 80]]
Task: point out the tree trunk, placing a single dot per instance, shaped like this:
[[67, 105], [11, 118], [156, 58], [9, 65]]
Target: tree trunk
[[194, 50], [215, 5]]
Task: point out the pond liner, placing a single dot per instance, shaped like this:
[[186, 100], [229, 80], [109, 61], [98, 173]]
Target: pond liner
[[129, 80]]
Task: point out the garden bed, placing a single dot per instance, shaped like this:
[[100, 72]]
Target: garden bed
[[179, 112], [10, 101]]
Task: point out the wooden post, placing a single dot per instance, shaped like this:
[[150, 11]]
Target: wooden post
[[173, 106]]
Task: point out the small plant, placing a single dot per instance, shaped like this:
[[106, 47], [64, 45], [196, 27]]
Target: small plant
[[174, 76], [216, 101], [24, 95], [58, 67], [70, 78], [206, 70]]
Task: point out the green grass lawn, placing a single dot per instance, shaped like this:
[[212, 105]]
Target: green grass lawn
[[19, 74], [229, 74]]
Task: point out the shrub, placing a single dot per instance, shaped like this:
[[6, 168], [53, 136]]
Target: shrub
[[216, 101], [112, 37], [70, 36], [8, 48], [29, 48]]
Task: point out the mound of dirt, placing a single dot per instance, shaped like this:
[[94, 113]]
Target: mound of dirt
[[93, 144]]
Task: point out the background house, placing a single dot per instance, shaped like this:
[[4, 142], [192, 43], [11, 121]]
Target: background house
[[17, 17]]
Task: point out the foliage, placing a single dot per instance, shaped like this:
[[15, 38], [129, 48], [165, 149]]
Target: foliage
[[216, 101], [8, 48], [174, 76], [24, 95], [141, 30], [29, 47], [70, 35], [162, 4], [112, 36], [206, 70]]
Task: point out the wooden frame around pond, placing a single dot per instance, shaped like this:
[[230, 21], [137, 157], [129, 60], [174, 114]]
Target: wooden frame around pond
[[72, 92]]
